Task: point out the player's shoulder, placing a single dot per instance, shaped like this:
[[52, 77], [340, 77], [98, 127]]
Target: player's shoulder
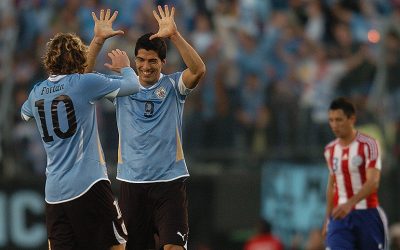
[[171, 78], [36, 88], [367, 140], [38, 84], [85, 81], [173, 75], [331, 145], [364, 138]]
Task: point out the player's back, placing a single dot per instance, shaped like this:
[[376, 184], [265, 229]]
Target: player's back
[[64, 111]]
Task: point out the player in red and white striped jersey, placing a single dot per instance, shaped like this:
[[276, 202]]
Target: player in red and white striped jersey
[[354, 219]]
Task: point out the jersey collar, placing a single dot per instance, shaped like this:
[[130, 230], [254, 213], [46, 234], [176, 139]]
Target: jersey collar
[[152, 86], [56, 78]]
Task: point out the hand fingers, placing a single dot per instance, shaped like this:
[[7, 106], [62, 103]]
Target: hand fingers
[[107, 65], [166, 9], [118, 32], [156, 16], [153, 36], [115, 52], [161, 11], [101, 14], [108, 13], [115, 33], [173, 12], [114, 16], [94, 17], [111, 55], [338, 214], [335, 213]]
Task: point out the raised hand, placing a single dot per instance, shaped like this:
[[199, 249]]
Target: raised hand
[[119, 60], [103, 26], [166, 22]]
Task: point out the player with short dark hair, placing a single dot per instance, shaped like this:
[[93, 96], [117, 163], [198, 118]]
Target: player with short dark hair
[[151, 164], [81, 212], [354, 219]]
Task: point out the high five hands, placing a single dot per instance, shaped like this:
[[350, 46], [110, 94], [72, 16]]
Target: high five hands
[[119, 60], [166, 22], [103, 25]]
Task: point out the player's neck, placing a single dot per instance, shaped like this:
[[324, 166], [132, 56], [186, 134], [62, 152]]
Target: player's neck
[[347, 140]]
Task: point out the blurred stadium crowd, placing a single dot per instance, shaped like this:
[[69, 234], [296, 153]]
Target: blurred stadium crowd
[[273, 68]]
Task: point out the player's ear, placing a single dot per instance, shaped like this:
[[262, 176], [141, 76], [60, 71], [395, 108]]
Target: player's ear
[[164, 61], [353, 118]]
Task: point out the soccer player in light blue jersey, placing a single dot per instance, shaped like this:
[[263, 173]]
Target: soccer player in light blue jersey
[[81, 212], [151, 163]]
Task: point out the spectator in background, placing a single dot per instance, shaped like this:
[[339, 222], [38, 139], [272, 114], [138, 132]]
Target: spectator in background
[[395, 236], [314, 240], [252, 114], [264, 239]]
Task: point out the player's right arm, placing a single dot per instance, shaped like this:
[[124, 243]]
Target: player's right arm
[[98, 86], [129, 81], [102, 31], [329, 188], [329, 203]]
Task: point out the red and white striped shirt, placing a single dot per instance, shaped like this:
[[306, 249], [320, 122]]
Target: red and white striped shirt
[[349, 165]]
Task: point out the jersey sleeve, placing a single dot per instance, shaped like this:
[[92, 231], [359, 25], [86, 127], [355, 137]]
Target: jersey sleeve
[[372, 152], [181, 90], [109, 76], [96, 86], [26, 110], [328, 158]]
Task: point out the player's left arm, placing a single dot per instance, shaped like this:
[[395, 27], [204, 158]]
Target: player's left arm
[[102, 31], [167, 29], [329, 203]]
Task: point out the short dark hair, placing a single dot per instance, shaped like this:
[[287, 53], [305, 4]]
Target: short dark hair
[[156, 44], [344, 104]]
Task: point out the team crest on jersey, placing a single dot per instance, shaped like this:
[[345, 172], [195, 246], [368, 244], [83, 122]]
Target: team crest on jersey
[[356, 160], [161, 92]]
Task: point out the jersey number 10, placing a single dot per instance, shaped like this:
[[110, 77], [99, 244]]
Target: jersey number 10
[[54, 117]]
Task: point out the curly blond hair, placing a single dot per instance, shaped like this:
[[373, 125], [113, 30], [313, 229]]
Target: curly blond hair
[[65, 54]]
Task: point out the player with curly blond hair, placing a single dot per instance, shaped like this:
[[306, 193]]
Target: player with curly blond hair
[[81, 212]]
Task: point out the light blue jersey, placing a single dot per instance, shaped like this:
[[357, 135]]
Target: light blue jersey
[[150, 132], [64, 110]]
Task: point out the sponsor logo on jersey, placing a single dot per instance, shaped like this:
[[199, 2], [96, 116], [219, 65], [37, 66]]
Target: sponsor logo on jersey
[[148, 109]]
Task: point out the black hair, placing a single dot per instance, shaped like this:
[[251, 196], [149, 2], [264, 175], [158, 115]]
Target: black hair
[[156, 44], [344, 104]]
